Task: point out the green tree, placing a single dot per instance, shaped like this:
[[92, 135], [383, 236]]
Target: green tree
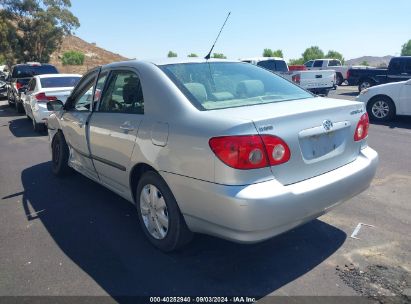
[[365, 63], [219, 56], [73, 58], [335, 55], [38, 26], [192, 55], [299, 61], [271, 53], [171, 54], [312, 53], [406, 49]]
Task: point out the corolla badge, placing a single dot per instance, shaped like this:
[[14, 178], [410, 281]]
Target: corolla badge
[[328, 125]]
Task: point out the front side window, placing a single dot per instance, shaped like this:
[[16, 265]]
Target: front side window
[[123, 94], [217, 85]]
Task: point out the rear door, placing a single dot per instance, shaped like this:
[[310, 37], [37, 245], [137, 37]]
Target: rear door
[[75, 124], [114, 126]]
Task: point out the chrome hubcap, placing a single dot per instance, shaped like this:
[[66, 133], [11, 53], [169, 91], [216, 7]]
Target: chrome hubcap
[[154, 212], [380, 109]]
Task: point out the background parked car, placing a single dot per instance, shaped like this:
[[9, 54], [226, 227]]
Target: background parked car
[[318, 82], [42, 89], [329, 64], [399, 69], [3, 89], [385, 101], [20, 76]]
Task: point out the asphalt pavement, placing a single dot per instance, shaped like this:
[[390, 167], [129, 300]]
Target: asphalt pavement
[[72, 236]]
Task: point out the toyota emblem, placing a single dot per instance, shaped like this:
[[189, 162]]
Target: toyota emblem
[[328, 125]]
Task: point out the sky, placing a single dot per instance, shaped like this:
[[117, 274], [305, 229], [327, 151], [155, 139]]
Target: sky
[[149, 29]]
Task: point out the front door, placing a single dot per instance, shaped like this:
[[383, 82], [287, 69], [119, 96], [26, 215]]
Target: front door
[[75, 124], [114, 127]]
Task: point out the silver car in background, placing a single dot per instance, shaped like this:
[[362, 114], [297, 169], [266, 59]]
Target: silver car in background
[[217, 147]]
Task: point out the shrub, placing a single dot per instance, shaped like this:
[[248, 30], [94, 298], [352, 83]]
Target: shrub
[[73, 58]]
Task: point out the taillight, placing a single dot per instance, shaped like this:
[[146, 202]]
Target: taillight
[[250, 151], [297, 78], [348, 74], [361, 131], [18, 85], [41, 97]]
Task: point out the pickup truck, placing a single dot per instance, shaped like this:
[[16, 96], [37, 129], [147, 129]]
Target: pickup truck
[[399, 69], [329, 64], [317, 82], [20, 76]]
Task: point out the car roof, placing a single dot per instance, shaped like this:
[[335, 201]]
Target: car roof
[[32, 64], [166, 61], [57, 75], [262, 58]]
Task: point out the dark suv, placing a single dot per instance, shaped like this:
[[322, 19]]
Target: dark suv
[[20, 76]]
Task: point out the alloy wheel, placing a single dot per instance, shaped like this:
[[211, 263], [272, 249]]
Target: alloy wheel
[[380, 109]]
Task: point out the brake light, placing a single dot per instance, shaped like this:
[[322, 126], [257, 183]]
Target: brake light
[[41, 97], [361, 131], [297, 78], [348, 74], [19, 85], [250, 151]]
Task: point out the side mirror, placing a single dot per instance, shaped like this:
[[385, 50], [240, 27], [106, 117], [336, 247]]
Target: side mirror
[[55, 105]]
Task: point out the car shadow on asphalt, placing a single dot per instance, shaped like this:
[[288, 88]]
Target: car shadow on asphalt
[[99, 231], [399, 122], [23, 127]]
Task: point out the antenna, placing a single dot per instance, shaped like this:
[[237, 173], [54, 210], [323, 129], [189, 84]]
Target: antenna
[[209, 54]]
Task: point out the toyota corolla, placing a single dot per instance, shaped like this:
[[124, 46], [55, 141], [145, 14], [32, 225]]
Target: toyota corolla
[[212, 146]]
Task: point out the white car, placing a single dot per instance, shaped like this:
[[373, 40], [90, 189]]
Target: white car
[[44, 88], [384, 102]]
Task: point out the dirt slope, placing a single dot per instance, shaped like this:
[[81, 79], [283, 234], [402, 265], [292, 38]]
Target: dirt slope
[[94, 55]]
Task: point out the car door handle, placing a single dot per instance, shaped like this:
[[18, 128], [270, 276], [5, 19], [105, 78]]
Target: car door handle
[[80, 123], [127, 127]]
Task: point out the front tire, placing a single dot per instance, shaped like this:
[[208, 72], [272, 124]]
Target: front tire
[[159, 215], [60, 155], [381, 108]]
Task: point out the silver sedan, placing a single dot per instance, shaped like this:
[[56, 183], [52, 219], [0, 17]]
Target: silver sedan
[[217, 147]]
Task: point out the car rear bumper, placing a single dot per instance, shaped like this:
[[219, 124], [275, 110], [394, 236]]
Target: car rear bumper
[[40, 113], [260, 211]]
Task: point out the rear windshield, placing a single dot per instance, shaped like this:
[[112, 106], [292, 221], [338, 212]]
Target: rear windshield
[[28, 71], [59, 82], [219, 85]]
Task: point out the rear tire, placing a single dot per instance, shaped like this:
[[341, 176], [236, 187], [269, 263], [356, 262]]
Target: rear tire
[[365, 84], [19, 107], [60, 155], [159, 215], [36, 126], [339, 79]]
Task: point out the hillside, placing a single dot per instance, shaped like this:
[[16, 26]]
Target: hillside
[[94, 55], [372, 61]]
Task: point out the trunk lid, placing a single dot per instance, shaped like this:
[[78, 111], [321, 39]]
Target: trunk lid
[[61, 93], [318, 131]]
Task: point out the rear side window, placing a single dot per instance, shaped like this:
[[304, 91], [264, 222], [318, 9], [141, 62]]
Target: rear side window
[[318, 63], [334, 63], [309, 64], [59, 82], [281, 66], [122, 94], [32, 85], [267, 64], [28, 71]]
